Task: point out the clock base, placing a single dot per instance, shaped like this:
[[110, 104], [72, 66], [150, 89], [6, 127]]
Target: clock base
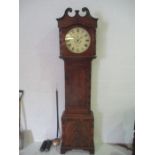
[[77, 132]]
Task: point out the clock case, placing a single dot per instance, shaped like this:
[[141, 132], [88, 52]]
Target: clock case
[[77, 119]]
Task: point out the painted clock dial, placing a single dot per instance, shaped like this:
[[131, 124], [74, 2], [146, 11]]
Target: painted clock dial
[[77, 40]]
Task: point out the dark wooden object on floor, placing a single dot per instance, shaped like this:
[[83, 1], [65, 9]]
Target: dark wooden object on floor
[[77, 119]]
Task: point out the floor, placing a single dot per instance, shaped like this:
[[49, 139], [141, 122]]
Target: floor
[[104, 149]]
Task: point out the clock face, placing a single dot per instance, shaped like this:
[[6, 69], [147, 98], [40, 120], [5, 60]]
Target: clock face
[[77, 40]]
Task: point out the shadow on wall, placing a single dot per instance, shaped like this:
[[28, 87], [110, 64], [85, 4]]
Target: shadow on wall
[[100, 53], [124, 128], [108, 149], [120, 151], [25, 135]]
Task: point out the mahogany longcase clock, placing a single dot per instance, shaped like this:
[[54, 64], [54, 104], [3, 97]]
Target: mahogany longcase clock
[[77, 49]]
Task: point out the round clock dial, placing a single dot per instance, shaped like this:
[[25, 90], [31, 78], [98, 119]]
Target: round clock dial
[[77, 40]]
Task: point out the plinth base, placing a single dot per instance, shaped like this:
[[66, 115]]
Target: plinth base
[[77, 132]]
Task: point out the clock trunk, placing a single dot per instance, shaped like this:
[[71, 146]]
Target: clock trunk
[[77, 85]]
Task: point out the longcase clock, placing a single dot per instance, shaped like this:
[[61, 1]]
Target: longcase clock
[[77, 49]]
